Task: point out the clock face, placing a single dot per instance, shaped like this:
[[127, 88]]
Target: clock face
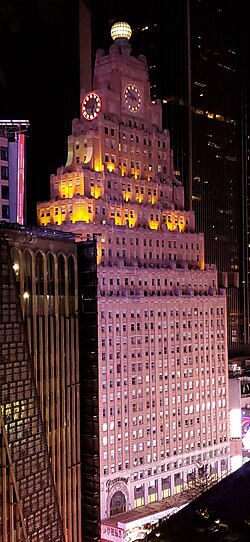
[[132, 98], [91, 106]]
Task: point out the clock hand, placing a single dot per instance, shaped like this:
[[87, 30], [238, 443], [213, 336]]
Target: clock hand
[[132, 96]]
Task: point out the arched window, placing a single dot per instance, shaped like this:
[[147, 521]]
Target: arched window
[[61, 275], [27, 271], [117, 503], [27, 282], [39, 274], [71, 283], [50, 274], [16, 264]]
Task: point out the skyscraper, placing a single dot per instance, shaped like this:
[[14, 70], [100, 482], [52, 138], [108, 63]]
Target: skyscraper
[[157, 318]]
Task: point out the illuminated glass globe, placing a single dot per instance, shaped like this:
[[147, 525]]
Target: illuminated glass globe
[[121, 31]]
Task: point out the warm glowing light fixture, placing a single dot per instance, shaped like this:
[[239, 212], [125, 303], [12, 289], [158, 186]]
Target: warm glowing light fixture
[[26, 295], [121, 31]]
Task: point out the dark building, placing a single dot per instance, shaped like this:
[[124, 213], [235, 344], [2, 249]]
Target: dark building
[[40, 386], [219, 513], [28, 499], [88, 353], [196, 54]]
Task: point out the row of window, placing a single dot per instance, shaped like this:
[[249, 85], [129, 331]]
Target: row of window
[[123, 162], [154, 282], [129, 188], [153, 457], [172, 325], [140, 381], [138, 433], [221, 415], [118, 212], [154, 243], [64, 183], [136, 339], [166, 467], [134, 137], [186, 349], [152, 313], [148, 444], [191, 460], [147, 326], [138, 367], [136, 151], [69, 183], [45, 271], [148, 256]]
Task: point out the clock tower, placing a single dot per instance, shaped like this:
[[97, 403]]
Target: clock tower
[[121, 83]]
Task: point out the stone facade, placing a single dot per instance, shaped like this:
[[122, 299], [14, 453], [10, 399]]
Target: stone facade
[[162, 339]]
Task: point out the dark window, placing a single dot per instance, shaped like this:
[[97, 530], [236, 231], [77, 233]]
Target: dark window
[[39, 273], [71, 276], [5, 192], [61, 275], [5, 211], [4, 153], [4, 173], [50, 274]]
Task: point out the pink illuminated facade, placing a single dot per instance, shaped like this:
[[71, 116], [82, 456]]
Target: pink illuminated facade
[[162, 339], [13, 170]]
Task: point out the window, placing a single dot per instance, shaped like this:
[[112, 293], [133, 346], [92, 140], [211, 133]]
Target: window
[[5, 211], [5, 192], [4, 153], [4, 173]]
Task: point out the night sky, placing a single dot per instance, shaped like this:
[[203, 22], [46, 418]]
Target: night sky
[[39, 82]]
